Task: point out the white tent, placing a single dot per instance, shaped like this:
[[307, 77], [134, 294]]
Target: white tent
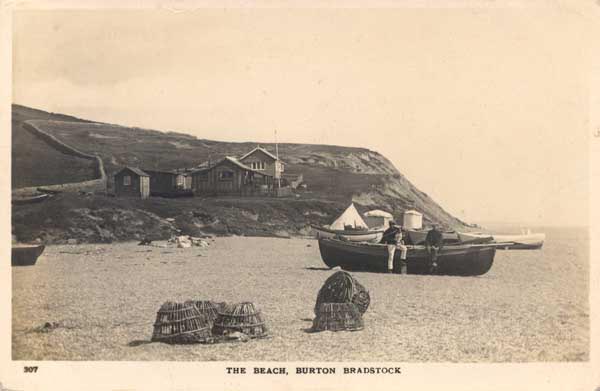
[[349, 217]]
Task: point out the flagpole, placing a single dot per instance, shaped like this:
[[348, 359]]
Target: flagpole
[[277, 163]]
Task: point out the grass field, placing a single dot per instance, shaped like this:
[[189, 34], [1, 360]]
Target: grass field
[[36, 163], [531, 306]]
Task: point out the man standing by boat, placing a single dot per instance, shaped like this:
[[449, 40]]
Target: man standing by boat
[[393, 238], [434, 242]]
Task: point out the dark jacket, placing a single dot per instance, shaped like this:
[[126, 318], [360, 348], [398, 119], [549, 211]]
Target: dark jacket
[[390, 235], [406, 237], [434, 238]]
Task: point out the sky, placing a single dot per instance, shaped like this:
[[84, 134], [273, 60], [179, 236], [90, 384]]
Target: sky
[[484, 109]]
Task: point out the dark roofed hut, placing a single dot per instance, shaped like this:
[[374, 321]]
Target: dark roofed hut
[[231, 177], [169, 183], [132, 182]]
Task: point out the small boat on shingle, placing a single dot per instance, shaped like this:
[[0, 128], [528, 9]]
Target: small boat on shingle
[[26, 254], [456, 260], [526, 241], [181, 323], [349, 226]]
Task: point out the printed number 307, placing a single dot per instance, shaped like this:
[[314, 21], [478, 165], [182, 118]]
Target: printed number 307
[[30, 369]]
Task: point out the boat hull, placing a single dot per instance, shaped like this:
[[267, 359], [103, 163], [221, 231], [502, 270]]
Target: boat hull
[[458, 260], [474, 237], [351, 236], [417, 237], [521, 242], [30, 200], [26, 255]]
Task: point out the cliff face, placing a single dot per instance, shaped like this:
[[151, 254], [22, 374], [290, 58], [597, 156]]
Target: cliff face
[[335, 176], [386, 188]]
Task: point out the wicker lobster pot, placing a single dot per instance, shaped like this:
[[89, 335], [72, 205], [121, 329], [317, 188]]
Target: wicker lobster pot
[[180, 323], [209, 309], [338, 317], [242, 317], [341, 287]]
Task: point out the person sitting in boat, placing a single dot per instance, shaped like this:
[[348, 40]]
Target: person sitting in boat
[[434, 241], [403, 240], [405, 237], [393, 238]]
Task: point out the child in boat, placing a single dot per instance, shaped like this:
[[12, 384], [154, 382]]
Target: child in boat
[[393, 238]]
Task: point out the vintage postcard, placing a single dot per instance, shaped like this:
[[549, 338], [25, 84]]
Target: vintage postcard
[[289, 195]]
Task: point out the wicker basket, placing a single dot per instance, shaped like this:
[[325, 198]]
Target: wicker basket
[[341, 287], [209, 309], [180, 323], [338, 317], [242, 317]]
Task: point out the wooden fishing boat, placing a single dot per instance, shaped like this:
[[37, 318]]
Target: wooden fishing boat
[[529, 241], [417, 237], [474, 237], [30, 200], [459, 260], [25, 254], [351, 227], [351, 235]]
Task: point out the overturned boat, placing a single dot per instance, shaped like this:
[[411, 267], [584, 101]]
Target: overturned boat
[[458, 260], [350, 227], [25, 254]]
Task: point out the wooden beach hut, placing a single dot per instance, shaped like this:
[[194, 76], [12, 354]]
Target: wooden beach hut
[[132, 182], [169, 183]]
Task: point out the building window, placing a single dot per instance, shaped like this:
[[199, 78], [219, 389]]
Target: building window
[[126, 180], [226, 175], [262, 165]]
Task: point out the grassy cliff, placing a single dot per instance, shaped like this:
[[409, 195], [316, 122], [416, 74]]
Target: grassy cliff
[[335, 176]]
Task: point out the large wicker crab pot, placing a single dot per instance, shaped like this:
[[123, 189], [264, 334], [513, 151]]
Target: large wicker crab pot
[[338, 317], [209, 309], [341, 287], [180, 323], [243, 317]]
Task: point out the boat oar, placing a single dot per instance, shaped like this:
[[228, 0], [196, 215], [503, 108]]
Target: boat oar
[[503, 244]]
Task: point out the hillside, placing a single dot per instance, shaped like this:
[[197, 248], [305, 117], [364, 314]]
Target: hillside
[[34, 163], [335, 176]]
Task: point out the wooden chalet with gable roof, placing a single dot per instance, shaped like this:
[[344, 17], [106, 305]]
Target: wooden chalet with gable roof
[[230, 176], [261, 160]]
